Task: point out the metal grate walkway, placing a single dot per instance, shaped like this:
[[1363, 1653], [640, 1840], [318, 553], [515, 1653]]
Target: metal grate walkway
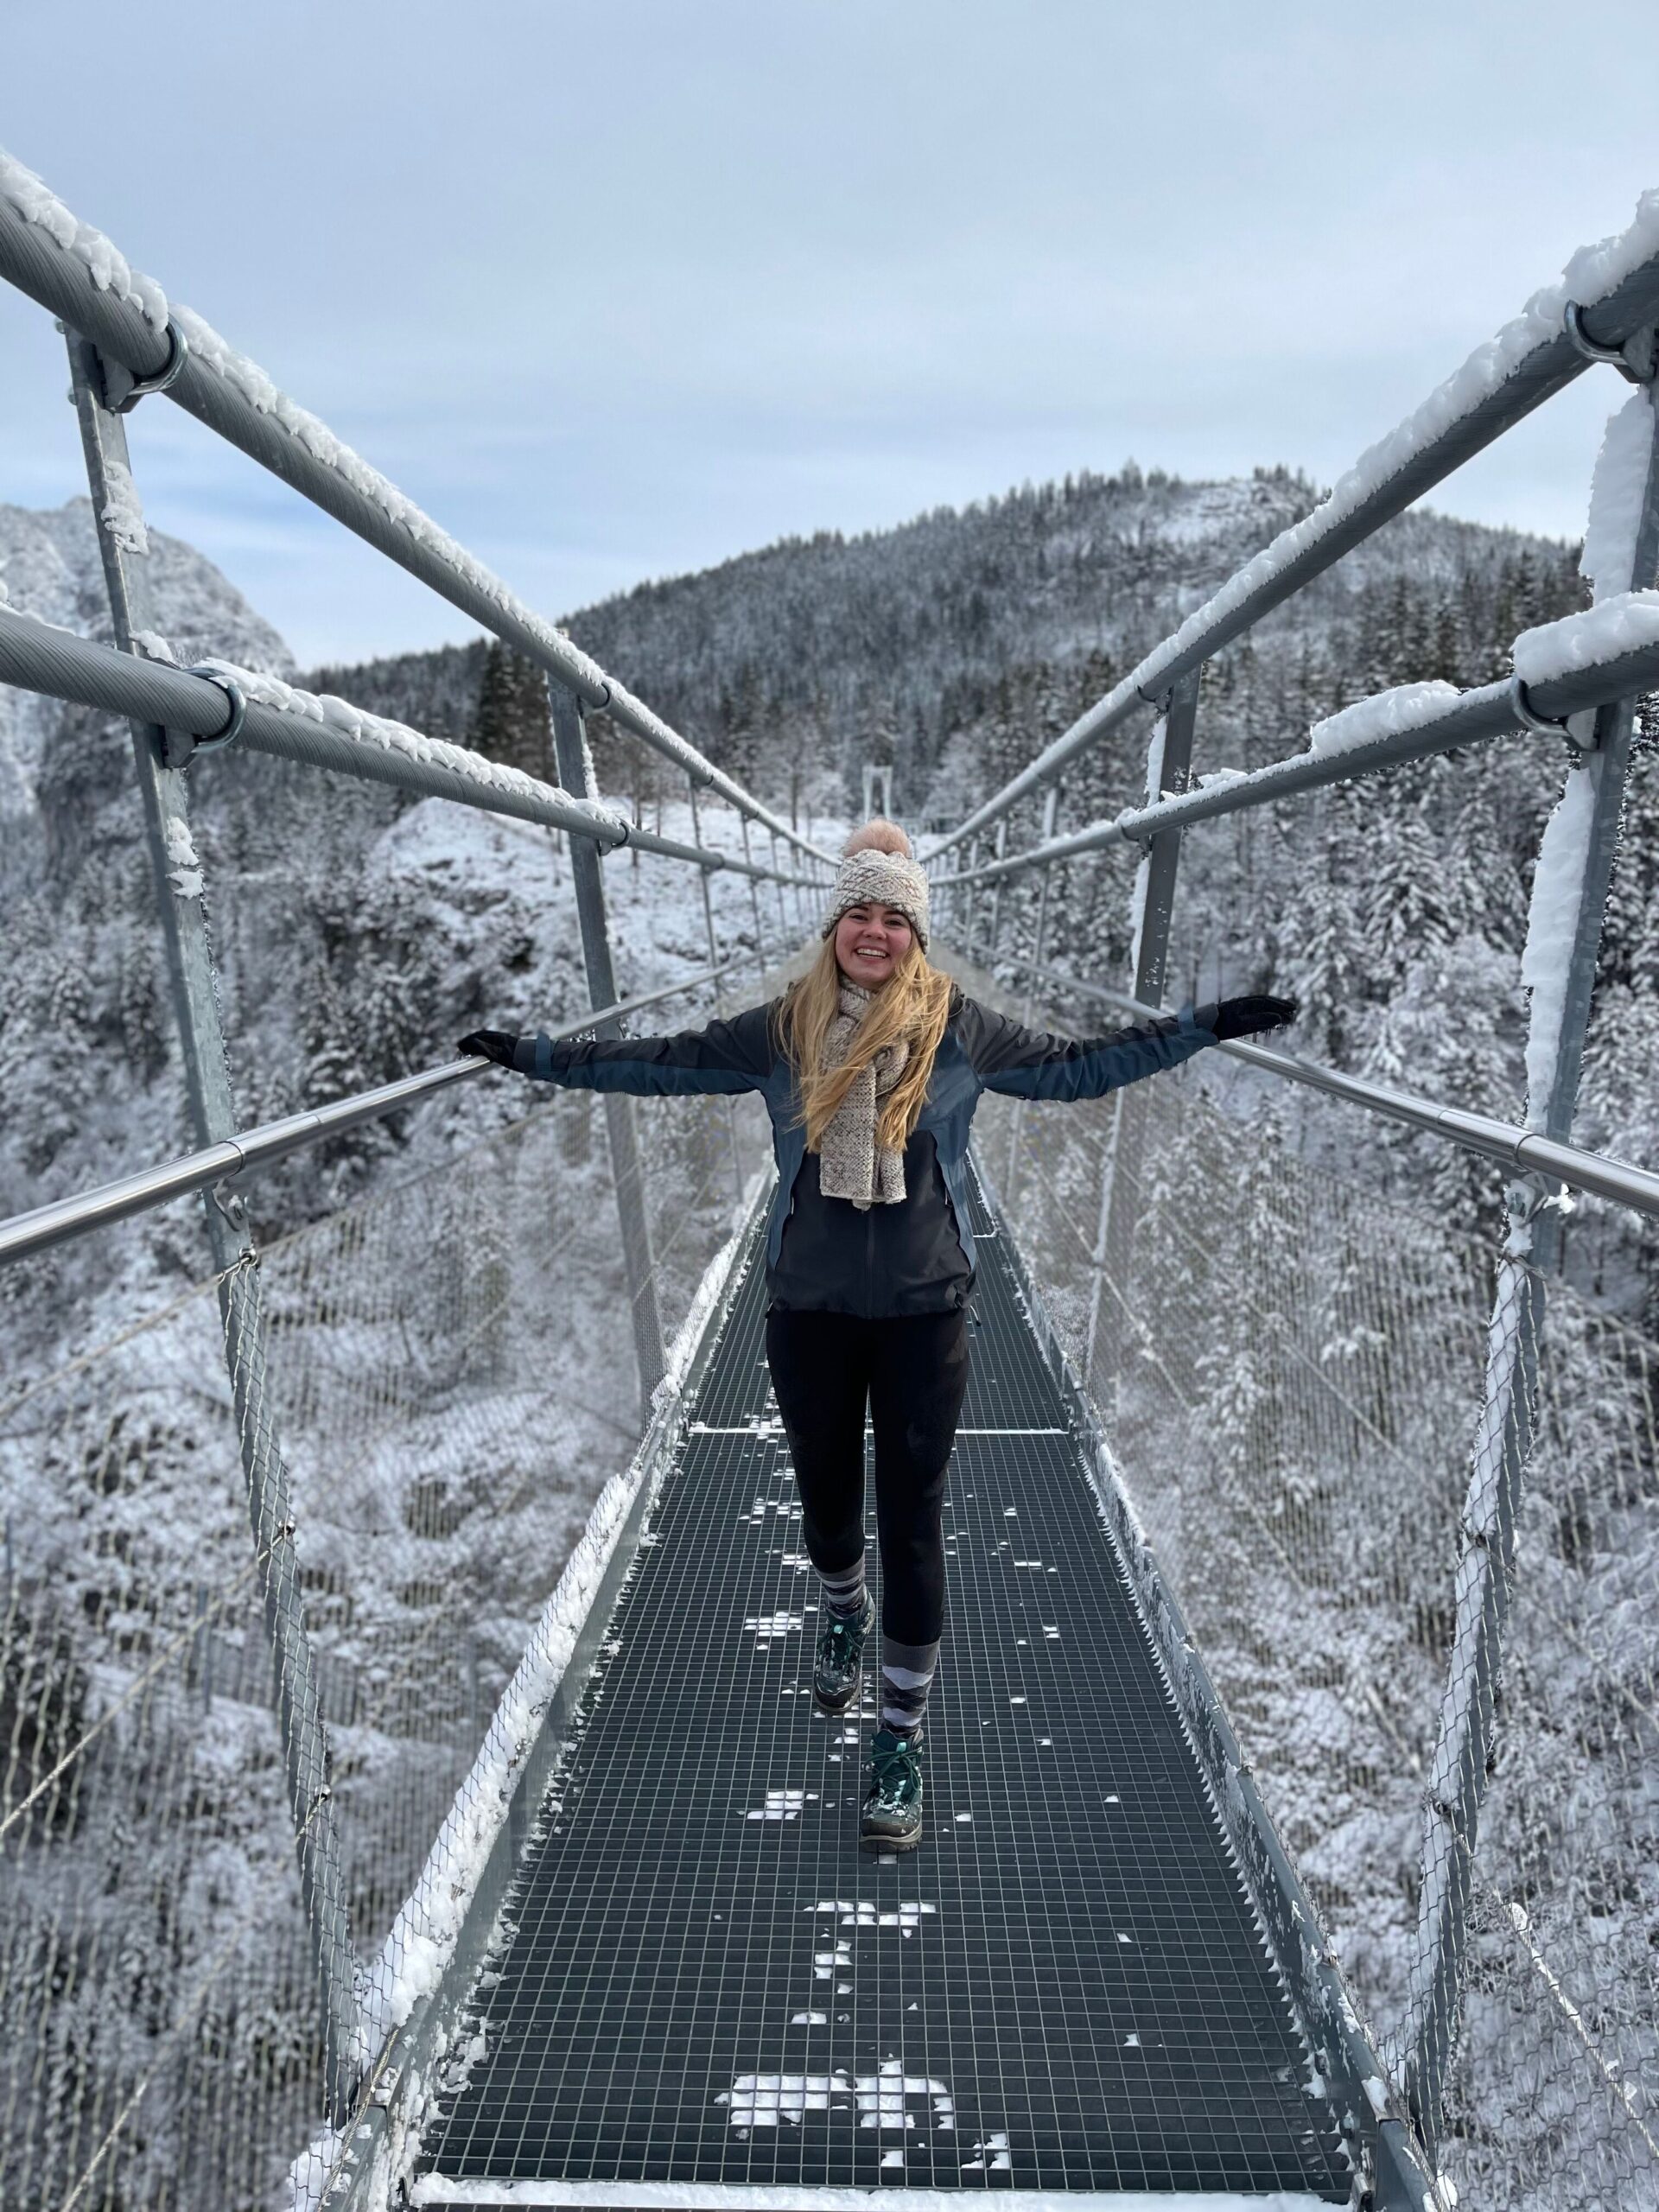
[[1064, 1988]]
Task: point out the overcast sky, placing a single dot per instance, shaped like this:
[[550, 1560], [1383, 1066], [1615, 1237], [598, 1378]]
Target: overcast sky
[[618, 288]]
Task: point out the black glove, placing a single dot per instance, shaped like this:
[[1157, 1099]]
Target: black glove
[[490, 1045], [1244, 1017]]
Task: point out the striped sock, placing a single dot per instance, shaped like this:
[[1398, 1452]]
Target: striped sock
[[844, 1591], [907, 1672]]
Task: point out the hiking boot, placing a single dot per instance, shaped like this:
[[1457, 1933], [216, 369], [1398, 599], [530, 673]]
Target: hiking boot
[[840, 1657], [892, 1816]]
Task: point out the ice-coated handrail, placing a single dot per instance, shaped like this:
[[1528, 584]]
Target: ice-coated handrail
[[76, 273], [294, 725], [26, 1234], [1469, 717], [1615, 286], [1504, 1141]]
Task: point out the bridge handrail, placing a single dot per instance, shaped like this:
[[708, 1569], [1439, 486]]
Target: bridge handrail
[[77, 274], [1614, 285], [292, 725], [1506, 1142], [26, 1234], [1472, 717]]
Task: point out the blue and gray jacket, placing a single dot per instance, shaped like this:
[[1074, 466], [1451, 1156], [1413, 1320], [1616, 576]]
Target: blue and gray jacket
[[826, 1255]]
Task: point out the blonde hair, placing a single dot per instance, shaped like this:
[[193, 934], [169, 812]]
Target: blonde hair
[[914, 1003]]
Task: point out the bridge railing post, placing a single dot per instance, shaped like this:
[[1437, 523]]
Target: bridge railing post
[[720, 989], [996, 888], [1575, 876], [965, 903], [755, 900], [175, 872], [1017, 1119], [778, 885], [575, 768], [1169, 763], [985, 912]]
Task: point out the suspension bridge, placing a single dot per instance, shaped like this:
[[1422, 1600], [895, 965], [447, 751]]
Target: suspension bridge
[[1293, 1786]]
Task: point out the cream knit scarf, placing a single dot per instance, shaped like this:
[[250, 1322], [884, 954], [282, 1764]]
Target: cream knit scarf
[[851, 1165]]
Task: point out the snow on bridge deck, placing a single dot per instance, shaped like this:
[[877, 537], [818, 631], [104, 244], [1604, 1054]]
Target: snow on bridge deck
[[711, 1995]]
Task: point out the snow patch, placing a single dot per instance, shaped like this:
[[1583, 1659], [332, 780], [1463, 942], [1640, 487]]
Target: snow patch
[[1385, 714], [122, 513], [184, 872], [310, 2175], [1552, 925], [863, 1912], [780, 1805], [1627, 623], [34, 202], [1619, 494], [767, 2100], [881, 2100]]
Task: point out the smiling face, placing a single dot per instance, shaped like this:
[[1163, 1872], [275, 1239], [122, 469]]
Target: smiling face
[[870, 942]]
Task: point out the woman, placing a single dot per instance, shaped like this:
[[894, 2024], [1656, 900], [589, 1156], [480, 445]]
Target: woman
[[871, 1067]]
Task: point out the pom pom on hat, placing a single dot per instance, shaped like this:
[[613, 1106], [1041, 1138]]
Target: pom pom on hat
[[879, 836]]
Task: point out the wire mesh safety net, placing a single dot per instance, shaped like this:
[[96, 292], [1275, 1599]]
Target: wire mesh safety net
[[445, 1374], [1291, 1371]]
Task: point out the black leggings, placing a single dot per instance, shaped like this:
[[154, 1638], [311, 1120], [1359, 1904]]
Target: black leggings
[[914, 1370]]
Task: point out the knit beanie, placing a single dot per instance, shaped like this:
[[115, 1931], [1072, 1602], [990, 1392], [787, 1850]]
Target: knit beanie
[[877, 869]]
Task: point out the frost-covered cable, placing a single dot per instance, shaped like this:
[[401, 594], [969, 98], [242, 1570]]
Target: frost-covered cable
[[1610, 651], [82, 276], [1615, 285]]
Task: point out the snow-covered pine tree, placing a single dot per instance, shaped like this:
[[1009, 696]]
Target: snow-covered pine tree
[[1407, 914], [512, 723]]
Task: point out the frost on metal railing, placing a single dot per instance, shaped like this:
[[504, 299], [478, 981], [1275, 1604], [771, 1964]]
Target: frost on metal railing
[[237, 399], [378, 731], [451, 1365], [1291, 1370]]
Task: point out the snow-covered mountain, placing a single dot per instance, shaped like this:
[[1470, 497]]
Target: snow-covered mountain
[[956, 645], [49, 564]]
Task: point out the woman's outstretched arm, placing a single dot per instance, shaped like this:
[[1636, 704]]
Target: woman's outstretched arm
[[726, 1056], [1031, 1064]]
